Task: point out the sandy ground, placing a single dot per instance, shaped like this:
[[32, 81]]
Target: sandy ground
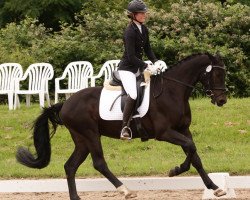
[[141, 195]]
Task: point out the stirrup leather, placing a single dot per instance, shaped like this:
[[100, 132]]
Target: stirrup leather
[[123, 137]]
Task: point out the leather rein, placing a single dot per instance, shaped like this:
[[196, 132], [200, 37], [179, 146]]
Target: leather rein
[[209, 89]]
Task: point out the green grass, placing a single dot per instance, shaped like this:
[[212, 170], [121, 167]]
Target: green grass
[[222, 137]]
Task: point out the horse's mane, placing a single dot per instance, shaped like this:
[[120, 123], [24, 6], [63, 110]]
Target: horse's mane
[[190, 57]]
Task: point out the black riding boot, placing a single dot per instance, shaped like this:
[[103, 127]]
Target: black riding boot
[[128, 111]]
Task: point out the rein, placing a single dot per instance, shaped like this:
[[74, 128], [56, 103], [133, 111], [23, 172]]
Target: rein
[[177, 81], [170, 79], [209, 91]]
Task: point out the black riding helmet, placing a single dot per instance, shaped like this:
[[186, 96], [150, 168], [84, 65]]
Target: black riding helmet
[[136, 6]]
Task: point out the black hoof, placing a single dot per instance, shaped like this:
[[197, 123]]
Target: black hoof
[[174, 172], [75, 198]]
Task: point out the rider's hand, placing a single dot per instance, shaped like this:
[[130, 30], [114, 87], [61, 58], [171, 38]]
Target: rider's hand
[[160, 65], [152, 69]]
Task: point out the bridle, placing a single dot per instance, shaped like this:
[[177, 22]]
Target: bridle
[[207, 84], [208, 88]]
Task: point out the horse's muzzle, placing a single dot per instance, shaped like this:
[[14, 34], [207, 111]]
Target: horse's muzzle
[[218, 98], [219, 101]]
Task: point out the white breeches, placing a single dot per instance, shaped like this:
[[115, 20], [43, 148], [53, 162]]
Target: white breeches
[[129, 83]]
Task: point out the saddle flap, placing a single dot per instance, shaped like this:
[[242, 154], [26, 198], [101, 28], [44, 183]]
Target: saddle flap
[[109, 98]]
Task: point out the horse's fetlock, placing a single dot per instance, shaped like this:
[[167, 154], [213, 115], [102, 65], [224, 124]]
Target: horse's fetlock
[[185, 167], [212, 186]]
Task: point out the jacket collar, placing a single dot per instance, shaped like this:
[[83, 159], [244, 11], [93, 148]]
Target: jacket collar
[[137, 29]]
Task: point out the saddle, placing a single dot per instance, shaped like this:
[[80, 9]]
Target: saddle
[[116, 81]]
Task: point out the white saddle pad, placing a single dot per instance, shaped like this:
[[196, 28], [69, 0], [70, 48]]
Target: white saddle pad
[[107, 99]]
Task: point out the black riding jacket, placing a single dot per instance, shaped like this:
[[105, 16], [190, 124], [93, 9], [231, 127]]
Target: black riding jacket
[[135, 44]]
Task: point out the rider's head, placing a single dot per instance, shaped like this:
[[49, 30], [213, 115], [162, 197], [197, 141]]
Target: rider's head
[[136, 10]]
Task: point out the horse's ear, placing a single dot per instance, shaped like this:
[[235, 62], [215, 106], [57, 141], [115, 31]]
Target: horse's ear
[[218, 55], [219, 59], [211, 57]]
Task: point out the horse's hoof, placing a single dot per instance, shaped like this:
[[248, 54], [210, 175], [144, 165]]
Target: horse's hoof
[[171, 173], [126, 192], [130, 195], [75, 198], [219, 192]]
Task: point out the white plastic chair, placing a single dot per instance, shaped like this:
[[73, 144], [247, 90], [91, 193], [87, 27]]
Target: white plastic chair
[[38, 76], [8, 73], [106, 70], [78, 75]]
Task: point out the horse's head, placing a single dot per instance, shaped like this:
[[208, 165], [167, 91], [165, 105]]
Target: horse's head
[[213, 79]]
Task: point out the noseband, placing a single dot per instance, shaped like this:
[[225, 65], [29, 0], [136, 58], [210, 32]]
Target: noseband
[[208, 88]]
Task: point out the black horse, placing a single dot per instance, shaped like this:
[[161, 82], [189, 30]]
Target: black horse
[[168, 119]]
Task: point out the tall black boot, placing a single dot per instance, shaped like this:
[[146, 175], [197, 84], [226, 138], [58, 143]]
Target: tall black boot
[[128, 111]]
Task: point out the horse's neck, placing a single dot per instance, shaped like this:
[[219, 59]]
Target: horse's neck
[[187, 74], [189, 71]]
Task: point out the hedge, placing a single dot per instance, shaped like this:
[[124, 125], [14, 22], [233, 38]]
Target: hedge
[[184, 29]]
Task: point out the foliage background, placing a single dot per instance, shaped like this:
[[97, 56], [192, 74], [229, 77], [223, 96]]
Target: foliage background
[[92, 30]]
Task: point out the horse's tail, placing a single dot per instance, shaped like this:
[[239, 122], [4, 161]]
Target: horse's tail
[[41, 136]]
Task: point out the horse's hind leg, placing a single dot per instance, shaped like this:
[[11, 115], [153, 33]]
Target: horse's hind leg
[[100, 165], [76, 159]]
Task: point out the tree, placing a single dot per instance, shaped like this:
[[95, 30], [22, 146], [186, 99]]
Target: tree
[[50, 13]]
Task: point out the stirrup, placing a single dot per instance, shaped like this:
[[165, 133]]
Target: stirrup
[[126, 137]]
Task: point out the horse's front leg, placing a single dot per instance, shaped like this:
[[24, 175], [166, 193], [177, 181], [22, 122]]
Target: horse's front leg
[[186, 142], [196, 162], [185, 166]]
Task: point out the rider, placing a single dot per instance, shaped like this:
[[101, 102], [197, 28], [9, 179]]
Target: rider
[[136, 40]]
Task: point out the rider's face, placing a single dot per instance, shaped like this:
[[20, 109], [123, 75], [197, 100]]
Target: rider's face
[[141, 17]]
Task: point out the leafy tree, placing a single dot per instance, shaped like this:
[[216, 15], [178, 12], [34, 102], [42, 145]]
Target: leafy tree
[[96, 36], [166, 5], [52, 12], [49, 13]]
